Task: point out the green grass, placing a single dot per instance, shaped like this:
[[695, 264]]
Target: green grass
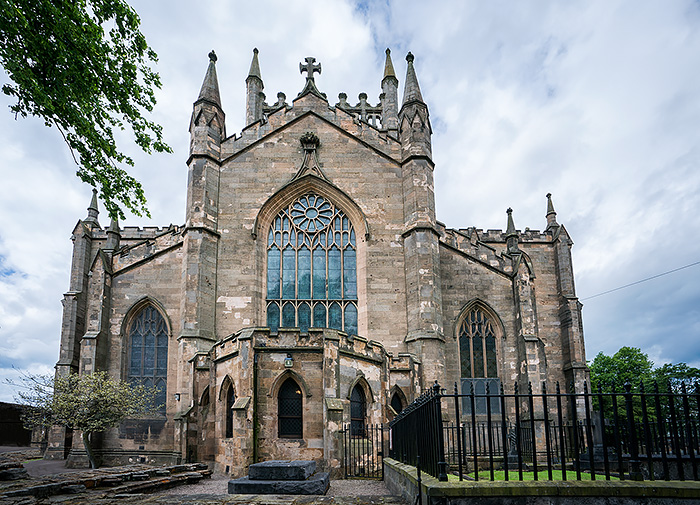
[[541, 475]]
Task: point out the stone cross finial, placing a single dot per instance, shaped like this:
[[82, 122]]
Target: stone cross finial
[[309, 68]]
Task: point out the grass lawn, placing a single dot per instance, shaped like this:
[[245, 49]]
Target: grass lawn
[[541, 475]]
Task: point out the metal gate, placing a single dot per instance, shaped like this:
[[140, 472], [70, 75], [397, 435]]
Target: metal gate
[[363, 451]]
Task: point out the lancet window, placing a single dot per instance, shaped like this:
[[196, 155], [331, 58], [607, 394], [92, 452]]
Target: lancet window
[[312, 267], [290, 410]]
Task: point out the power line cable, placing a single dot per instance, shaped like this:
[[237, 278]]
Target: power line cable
[[643, 280]]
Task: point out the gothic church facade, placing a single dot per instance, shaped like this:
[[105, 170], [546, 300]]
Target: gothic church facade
[[311, 287]]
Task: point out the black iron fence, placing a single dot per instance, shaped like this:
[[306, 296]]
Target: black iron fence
[[630, 434], [363, 451]]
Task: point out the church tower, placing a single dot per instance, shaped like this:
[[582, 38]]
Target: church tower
[[201, 234], [420, 234]]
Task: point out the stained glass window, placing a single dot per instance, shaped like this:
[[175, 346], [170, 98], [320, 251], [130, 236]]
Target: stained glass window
[[289, 410], [148, 352], [312, 267]]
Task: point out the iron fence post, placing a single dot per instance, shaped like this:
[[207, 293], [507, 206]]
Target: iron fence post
[[459, 433], [589, 431], [635, 466]]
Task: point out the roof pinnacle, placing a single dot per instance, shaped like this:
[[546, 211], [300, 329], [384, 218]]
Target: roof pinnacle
[[210, 86], [551, 213], [93, 210], [388, 66], [113, 235], [411, 90], [510, 230], [511, 234], [255, 66]]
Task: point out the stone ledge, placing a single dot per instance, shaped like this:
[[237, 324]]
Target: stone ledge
[[602, 489]]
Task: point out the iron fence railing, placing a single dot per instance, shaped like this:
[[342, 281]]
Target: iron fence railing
[[363, 451], [630, 435]]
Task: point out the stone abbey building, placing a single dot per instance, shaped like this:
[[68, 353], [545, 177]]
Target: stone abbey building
[[311, 286]]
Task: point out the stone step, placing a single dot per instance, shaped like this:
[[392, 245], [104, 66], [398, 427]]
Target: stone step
[[317, 484], [282, 470]]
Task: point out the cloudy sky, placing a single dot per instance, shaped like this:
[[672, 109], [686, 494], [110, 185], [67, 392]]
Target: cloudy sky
[[596, 102]]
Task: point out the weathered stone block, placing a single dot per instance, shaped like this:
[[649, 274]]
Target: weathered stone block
[[282, 470], [316, 485]]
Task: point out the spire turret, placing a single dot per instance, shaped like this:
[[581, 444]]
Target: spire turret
[[388, 66], [511, 234], [93, 211], [390, 102], [254, 95], [414, 123], [113, 235], [254, 66], [551, 214], [411, 90], [208, 118], [210, 86]]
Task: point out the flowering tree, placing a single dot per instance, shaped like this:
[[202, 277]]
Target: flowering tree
[[90, 403]]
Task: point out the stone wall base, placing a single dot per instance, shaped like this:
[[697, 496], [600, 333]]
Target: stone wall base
[[402, 480], [112, 457]]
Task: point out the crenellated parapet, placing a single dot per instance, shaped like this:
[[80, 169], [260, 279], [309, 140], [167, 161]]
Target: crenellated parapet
[[163, 240], [139, 233], [287, 115]]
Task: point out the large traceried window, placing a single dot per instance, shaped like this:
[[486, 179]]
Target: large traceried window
[[479, 360], [312, 267], [148, 352]]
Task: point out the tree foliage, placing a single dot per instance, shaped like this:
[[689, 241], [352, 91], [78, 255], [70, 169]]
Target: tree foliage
[[90, 403], [84, 67], [630, 365]]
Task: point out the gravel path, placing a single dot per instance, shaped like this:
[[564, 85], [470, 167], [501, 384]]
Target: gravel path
[[218, 484]]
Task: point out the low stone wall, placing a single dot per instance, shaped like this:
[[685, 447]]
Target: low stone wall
[[402, 480]]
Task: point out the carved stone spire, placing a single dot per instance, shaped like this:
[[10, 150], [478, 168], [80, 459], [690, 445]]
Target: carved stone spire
[[210, 86], [388, 66], [93, 211], [254, 94], [551, 214], [390, 103], [208, 117], [113, 235], [255, 66], [411, 90], [511, 234]]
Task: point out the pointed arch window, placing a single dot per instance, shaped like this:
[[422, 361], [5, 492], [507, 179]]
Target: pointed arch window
[[477, 345], [396, 402], [230, 400], [358, 409], [148, 352], [479, 360], [290, 410], [312, 267]]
